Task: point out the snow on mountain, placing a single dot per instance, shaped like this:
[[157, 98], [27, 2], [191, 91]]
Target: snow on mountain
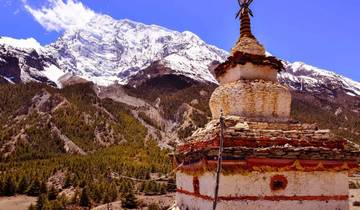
[[107, 50], [303, 77], [30, 43], [25, 60]]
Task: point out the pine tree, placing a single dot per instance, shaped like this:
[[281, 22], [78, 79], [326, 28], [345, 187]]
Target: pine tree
[[147, 187], [171, 185], [84, 198], [68, 181], [52, 193], [1, 188], [23, 185], [113, 193], [162, 189], [129, 200], [34, 188], [10, 187], [43, 188], [43, 203], [98, 193], [107, 198]]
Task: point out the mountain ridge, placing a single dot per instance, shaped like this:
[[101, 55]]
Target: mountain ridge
[[108, 51]]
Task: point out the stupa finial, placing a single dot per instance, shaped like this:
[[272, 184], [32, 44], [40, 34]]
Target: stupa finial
[[244, 14], [247, 42]]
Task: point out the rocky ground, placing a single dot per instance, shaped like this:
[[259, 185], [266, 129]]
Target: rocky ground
[[23, 202], [164, 201], [19, 202]]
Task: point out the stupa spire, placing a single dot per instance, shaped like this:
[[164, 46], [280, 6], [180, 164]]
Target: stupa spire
[[244, 16], [247, 42]]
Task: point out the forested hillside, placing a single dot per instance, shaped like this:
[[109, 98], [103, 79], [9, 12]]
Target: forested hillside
[[72, 148]]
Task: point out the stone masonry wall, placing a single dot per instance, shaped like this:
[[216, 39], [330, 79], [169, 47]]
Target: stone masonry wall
[[261, 99]]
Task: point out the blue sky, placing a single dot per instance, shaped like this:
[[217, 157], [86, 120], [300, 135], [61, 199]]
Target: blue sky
[[322, 33]]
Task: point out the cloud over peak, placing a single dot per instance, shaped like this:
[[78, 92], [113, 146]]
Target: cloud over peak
[[59, 15]]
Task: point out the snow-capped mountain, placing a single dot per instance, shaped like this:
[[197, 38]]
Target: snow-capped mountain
[[106, 51], [25, 60], [302, 77]]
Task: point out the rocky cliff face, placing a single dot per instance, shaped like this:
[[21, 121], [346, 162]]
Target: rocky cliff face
[[26, 61]]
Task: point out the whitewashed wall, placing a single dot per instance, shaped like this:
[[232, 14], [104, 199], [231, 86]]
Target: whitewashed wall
[[313, 184], [185, 202]]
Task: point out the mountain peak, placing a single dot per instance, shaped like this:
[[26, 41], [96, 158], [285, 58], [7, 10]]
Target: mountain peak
[[106, 51], [29, 43]]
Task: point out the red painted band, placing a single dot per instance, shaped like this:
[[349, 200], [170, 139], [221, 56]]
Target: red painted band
[[269, 198], [261, 142]]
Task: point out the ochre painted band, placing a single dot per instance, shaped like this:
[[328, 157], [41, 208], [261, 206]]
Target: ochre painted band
[[269, 165]]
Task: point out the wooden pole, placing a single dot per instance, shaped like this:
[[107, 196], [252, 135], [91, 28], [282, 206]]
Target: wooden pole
[[218, 170]]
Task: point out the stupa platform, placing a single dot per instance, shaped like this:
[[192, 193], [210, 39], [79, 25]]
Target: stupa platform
[[261, 145], [265, 165]]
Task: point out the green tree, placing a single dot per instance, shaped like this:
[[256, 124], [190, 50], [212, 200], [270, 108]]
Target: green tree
[[34, 189], [1, 187], [84, 198], [171, 185], [68, 181], [10, 187], [52, 193], [23, 185], [129, 200], [43, 188], [43, 203], [154, 206], [162, 189], [107, 198], [97, 192], [113, 192]]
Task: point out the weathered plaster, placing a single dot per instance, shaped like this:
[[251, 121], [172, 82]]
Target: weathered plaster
[[304, 190], [258, 99], [248, 71]]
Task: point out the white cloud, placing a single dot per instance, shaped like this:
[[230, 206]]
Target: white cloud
[[60, 15]]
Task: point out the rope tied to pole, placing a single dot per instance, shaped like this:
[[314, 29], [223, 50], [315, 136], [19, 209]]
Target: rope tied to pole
[[218, 169]]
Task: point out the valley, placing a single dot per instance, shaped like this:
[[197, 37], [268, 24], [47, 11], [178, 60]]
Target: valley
[[83, 117]]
